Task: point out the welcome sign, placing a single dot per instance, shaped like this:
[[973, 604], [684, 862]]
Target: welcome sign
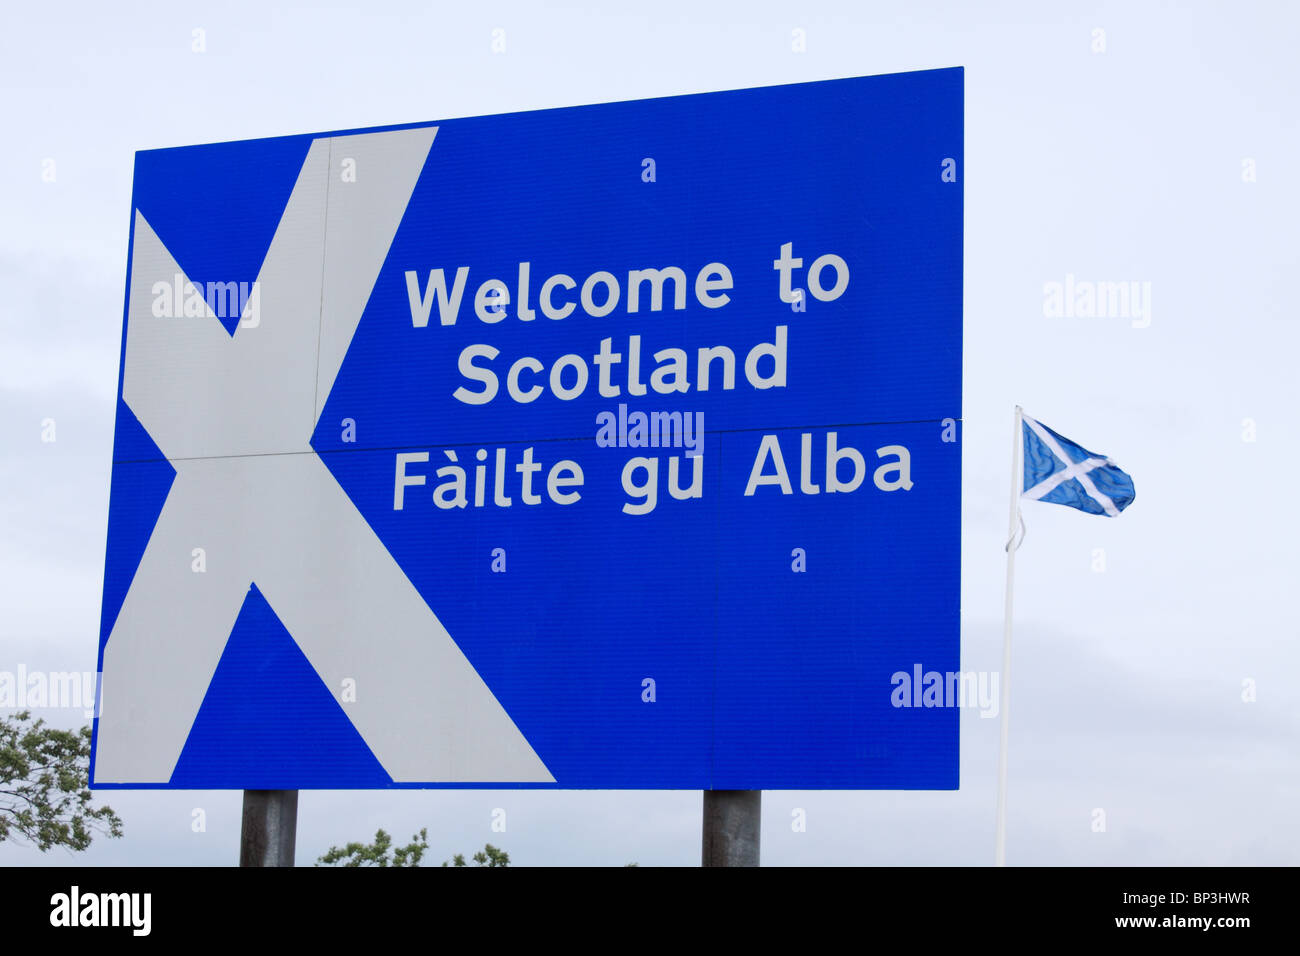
[[606, 447]]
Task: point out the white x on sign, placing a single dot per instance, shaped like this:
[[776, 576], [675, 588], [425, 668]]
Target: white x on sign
[[234, 416]]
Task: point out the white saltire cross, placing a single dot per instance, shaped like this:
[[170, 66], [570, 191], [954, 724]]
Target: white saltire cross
[[234, 417], [1071, 470]]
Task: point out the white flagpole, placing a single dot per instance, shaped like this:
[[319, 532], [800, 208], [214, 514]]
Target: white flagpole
[[1017, 477]]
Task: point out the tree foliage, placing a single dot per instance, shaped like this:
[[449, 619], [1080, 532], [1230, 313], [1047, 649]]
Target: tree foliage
[[382, 853], [488, 856], [45, 798], [377, 853]]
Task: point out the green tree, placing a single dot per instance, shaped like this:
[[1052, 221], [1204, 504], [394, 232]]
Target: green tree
[[45, 798], [382, 853], [377, 853], [488, 856]]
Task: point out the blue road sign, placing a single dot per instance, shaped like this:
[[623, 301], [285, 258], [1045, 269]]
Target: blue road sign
[[606, 447]]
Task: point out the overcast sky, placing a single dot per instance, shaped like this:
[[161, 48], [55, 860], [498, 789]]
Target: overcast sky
[[1129, 164]]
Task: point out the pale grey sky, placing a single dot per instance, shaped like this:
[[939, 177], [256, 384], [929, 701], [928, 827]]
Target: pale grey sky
[[1122, 165]]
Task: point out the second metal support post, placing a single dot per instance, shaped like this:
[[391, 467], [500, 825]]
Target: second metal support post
[[732, 823]]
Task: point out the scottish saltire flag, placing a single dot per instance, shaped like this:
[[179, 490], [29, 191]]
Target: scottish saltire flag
[[1063, 473]]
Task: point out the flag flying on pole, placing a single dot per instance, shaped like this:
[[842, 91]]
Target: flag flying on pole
[[1063, 473]]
